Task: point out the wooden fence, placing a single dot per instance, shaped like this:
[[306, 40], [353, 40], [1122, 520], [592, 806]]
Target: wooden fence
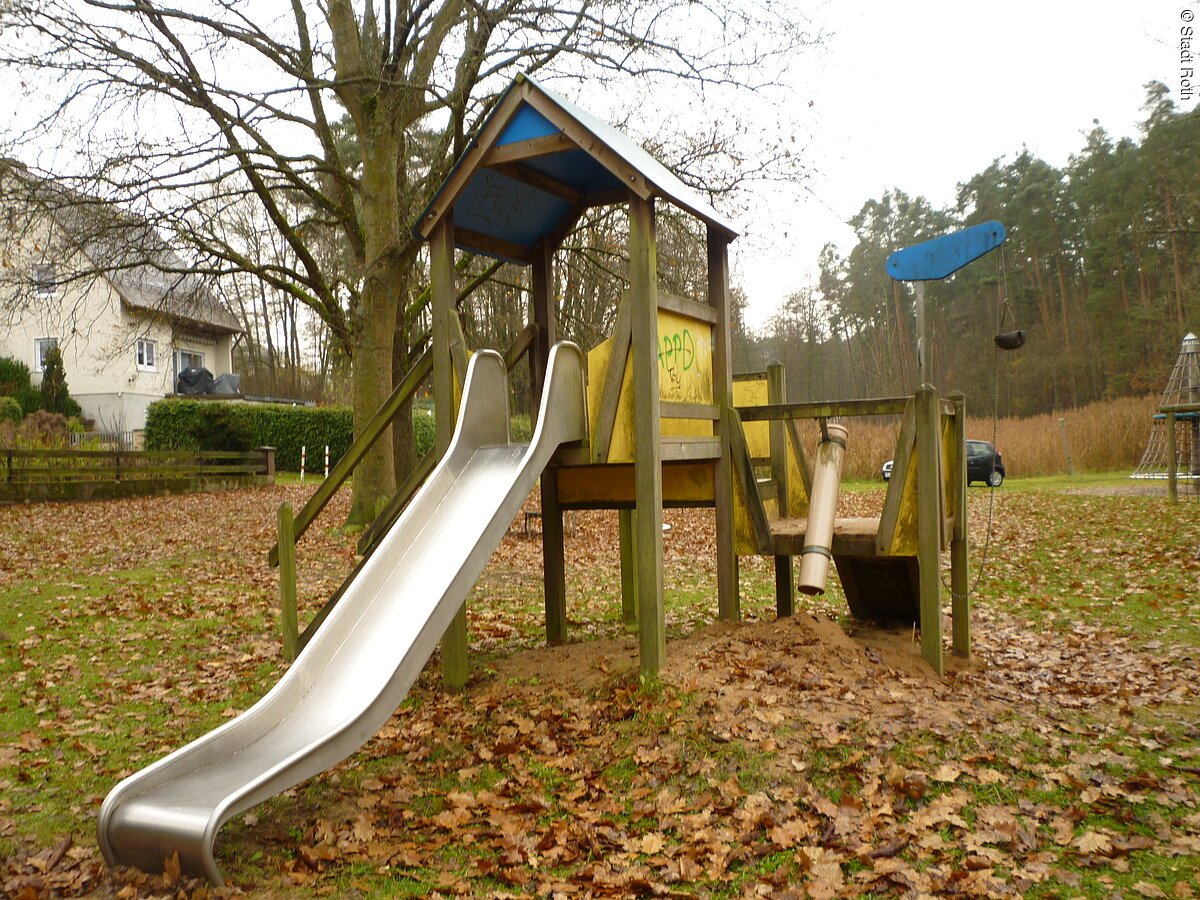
[[31, 475]]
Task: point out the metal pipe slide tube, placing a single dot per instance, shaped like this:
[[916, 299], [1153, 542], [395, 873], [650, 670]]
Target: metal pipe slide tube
[[818, 537]]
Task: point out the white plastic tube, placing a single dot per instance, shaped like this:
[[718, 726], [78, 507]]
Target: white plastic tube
[[818, 537]]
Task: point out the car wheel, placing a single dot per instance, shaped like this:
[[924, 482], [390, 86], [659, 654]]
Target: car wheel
[[995, 478]]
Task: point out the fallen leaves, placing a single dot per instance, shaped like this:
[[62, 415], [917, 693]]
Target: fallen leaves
[[782, 758]]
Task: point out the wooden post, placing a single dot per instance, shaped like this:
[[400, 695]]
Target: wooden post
[[441, 259], [1066, 445], [643, 294], [929, 527], [1172, 477], [268, 455], [728, 602], [777, 393], [288, 621], [554, 579], [960, 597], [626, 527]]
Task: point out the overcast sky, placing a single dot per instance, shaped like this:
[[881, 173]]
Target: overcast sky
[[921, 96]]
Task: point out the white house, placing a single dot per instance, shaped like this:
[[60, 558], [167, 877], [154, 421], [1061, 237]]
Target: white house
[[101, 285]]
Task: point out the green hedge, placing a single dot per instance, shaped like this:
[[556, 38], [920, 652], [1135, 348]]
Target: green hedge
[[178, 424]]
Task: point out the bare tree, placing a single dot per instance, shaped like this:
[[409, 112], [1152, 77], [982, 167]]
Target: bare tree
[[339, 116]]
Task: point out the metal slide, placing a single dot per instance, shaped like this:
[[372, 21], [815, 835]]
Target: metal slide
[[360, 664]]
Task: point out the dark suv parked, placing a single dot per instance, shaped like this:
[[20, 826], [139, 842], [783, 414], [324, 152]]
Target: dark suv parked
[[983, 464]]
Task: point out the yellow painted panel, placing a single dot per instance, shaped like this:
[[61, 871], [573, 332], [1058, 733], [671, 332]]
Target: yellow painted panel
[[758, 435], [758, 441], [904, 540], [603, 484], [684, 376]]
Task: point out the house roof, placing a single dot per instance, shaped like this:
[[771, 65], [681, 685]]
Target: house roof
[[125, 248], [535, 164]]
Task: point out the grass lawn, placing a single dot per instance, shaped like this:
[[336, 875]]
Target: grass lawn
[[815, 754]]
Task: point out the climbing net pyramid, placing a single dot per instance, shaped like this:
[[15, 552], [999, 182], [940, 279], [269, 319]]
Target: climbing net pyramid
[[1183, 389]]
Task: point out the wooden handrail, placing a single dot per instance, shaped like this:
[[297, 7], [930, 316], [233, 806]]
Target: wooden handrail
[[869, 406], [365, 441]]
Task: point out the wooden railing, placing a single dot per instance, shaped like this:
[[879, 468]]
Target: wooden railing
[[109, 474]]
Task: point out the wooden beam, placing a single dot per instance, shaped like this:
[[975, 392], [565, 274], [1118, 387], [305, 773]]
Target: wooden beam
[[520, 346], [441, 276], [929, 538], [606, 412], [518, 151], [643, 291], [489, 245], [458, 351], [690, 308], [371, 432], [889, 519], [717, 251], [633, 180], [542, 182], [876, 406], [801, 454], [744, 470], [472, 159], [626, 529], [672, 410], [777, 394], [683, 448], [554, 579], [288, 624], [960, 595]]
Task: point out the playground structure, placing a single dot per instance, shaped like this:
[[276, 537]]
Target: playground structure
[[1173, 449], [653, 417]]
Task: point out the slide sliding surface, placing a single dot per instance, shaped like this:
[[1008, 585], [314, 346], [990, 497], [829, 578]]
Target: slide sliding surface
[[362, 661]]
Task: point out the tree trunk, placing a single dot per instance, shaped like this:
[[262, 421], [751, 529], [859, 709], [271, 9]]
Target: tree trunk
[[375, 477]]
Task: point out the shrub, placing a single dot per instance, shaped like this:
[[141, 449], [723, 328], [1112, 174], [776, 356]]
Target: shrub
[[30, 399], [55, 393], [10, 410], [45, 430], [14, 375]]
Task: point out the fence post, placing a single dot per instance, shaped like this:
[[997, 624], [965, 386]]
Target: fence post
[[9, 456], [1066, 442], [117, 456], [287, 582], [268, 454]]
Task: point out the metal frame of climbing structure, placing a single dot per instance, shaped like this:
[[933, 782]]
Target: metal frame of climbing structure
[[1173, 447]]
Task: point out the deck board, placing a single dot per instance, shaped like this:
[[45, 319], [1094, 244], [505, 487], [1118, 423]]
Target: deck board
[[851, 536]]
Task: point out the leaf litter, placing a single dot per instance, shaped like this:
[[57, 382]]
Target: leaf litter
[[810, 756]]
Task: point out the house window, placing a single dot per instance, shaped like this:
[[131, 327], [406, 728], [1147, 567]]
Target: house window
[[147, 355], [45, 280], [188, 359], [41, 347]]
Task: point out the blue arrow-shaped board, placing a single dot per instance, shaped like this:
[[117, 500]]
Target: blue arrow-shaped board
[[945, 255]]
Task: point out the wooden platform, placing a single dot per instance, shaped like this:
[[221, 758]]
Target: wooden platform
[[877, 587], [851, 537]]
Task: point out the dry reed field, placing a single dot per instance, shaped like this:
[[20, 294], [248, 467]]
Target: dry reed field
[[1108, 436]]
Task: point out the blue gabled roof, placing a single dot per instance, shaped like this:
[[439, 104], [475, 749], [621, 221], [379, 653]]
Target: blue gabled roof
[[502, 216]]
